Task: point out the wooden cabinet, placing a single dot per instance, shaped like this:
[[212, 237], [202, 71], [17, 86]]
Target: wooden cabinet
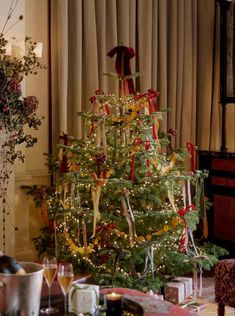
[[220, 189]]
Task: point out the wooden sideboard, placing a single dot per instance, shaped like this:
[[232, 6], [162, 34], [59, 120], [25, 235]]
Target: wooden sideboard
[[220, 189]]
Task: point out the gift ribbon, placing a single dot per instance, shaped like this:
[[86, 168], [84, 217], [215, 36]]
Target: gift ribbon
[[107, 110], [92, 129], [84, 234], [125, 211], [93, 100], [100, 158], [189, 234], [149, 258], [95, 194], [171, 133], [129, 218], [151, 96], [155, 130], [130, 213], [65, 191], [184, 241], [104, 231], [182, 212], [185, 210], [171, 199], [192, 150]]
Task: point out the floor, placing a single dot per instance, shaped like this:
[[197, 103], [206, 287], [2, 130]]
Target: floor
[[207, 300], [208, 290]]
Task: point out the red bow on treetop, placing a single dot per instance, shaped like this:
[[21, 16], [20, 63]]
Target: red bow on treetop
[[122, 64]]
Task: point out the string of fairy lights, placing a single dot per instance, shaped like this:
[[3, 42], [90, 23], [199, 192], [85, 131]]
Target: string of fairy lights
[[112, 173], [78, 251]]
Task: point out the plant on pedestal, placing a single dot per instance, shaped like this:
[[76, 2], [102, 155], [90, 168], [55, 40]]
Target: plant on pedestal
[[17, 112]]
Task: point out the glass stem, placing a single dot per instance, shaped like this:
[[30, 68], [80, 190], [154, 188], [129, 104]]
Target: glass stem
[[49, 297], [65, 304]]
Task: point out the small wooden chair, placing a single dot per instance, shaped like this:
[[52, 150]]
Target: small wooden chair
[[225, 284]]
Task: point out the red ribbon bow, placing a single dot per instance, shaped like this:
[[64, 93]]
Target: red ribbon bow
[[192, 150], [122, 64], [151, 96], [185, 210], [104, 231], [171, 133], [100, 158], [182, 212]]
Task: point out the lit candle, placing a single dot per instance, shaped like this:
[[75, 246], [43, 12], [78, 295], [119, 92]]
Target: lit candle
[[114, 304]]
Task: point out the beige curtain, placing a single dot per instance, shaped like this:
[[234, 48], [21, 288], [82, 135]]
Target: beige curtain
[[177, 48]]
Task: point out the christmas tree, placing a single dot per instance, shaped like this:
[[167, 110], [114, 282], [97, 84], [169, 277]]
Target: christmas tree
[[124, 208]]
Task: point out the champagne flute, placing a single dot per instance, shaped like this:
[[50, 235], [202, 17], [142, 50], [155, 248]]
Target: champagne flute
[[65, 277], [50, 268]]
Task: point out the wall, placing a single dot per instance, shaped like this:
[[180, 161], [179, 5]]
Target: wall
[[33, 171], [7, 211], [25, 216]]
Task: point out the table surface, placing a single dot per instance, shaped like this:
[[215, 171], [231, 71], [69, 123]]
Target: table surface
[[150, 305]]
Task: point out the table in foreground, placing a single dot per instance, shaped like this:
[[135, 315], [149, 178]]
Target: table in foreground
[[135, 303], [150, 305]]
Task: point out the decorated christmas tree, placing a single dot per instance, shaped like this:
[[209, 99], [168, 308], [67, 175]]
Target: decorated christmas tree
[[124, 208]]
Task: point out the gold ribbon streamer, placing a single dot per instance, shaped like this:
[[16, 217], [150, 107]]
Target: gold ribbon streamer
[[95, 193], [131, 215], [171, 199], [129, 222], [84, 237]]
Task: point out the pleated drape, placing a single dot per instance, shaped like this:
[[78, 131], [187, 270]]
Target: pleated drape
[[177, 48]]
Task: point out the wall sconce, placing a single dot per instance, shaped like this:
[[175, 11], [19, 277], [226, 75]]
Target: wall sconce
[[16, 48], [38, 50], [8, 49]]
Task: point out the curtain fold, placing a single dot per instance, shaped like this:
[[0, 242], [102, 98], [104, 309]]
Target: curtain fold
[[206, 20], [63, 64], [175, 46]]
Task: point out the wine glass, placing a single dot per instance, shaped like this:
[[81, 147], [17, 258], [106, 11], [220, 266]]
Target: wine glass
[[50, 268], [65, 277]]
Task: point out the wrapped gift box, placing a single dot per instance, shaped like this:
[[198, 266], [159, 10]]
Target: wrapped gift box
[[174, 292], [83, 298], [188, 285]]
